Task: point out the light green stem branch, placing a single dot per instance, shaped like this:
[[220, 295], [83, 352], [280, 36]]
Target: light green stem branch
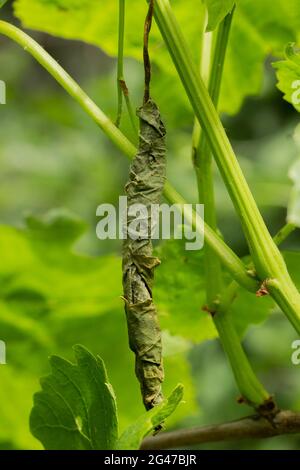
[[203, 168], [203, 161], [284, 233], [267, 259], [248, 384], [228, 257]]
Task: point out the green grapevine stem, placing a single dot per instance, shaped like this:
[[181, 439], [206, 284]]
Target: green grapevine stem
[[284, 232], [268, 261], [203, 162], [245, 378]]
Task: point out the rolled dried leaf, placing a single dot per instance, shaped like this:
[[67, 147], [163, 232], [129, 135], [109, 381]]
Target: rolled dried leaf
[[145, 186]]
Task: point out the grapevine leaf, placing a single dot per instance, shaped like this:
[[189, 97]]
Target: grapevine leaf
[[76, 408], [52, 298], [288, 74], [217, 10], [58, 226], [15, 326], [42, 276], [132, 436], [242, 77], [98, 20], [259, 28], [96, 334]]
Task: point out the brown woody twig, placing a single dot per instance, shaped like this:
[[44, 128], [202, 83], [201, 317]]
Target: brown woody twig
[[252, 427], [147, 63]]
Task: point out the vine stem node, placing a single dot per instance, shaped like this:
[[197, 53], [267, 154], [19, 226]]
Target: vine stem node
[[263, 291]]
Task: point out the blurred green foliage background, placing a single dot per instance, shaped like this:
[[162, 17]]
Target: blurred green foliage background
[[53, 156]]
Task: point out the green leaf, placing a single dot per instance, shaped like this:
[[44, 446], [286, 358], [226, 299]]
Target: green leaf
[[76, 408], [98, 20], [241, 77], [217, 10], [56, 226], [132, 437], [288, 74], [2, 2], [41, 276], [15, 326], [96, 23], [96, 334], [52, 298], [259, 29]]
